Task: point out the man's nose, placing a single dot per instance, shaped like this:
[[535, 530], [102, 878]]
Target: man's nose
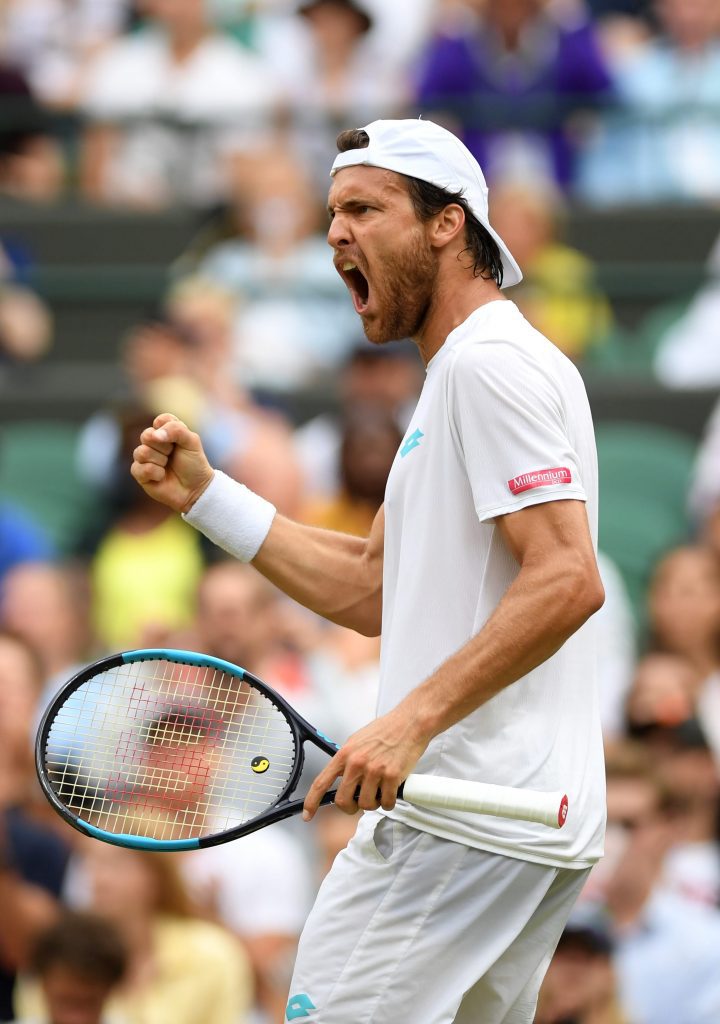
[[339, 234]]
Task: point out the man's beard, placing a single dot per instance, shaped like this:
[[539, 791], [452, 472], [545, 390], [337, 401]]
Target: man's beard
[[404, 295]]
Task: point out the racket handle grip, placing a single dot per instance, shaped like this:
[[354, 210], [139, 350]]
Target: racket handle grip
[[485, 798]]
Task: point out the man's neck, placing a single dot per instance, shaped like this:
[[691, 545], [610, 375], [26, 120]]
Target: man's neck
[[454, 301]]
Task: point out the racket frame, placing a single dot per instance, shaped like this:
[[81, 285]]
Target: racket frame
[[280, 808]]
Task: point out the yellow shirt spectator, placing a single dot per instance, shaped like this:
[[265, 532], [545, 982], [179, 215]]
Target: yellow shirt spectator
[[144, 583]]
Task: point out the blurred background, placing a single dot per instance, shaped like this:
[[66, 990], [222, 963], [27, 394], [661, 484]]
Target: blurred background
[[163, 175]]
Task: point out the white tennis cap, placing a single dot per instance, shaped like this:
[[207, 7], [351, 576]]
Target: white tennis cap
[[424, 150]]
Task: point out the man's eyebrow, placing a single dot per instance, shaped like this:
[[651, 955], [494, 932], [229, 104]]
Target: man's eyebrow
[[348, 204]]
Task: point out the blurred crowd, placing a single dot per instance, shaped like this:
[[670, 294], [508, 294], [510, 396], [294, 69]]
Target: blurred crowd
[[232, 108], [613, 100]]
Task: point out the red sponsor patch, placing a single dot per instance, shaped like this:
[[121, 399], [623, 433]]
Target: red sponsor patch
[[562, 813], [540, 478]]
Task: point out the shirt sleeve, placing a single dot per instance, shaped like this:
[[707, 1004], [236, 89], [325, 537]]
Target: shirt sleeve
[[508, 415]]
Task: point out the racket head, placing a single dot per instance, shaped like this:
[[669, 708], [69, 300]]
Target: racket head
[[170, 750]]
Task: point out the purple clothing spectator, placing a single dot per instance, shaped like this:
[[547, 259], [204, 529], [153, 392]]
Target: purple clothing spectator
[[511, 91]]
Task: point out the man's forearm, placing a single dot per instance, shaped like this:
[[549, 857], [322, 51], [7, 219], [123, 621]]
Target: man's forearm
[[334, 574], [330, 573]]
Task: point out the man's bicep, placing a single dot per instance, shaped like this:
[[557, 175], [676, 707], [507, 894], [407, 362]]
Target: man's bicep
[[366, 615], [376, 540], [374, 558], [552, 530]]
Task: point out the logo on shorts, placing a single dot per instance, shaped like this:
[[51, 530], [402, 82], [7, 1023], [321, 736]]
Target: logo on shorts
[[299, 1006], [411, 441], [540, 478]]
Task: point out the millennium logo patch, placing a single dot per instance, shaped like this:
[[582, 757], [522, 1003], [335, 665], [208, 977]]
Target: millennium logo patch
[[540, 478]]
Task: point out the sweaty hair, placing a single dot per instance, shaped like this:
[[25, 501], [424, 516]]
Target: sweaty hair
[[82, 944], [428, 200]]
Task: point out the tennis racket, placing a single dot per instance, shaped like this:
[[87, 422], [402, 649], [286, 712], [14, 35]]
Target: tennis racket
[[173, 750]]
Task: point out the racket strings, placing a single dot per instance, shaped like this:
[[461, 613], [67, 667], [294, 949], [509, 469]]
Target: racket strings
[[169, 750]]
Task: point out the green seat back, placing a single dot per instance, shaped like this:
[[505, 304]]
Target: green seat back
[[38, 474], [644, 477]]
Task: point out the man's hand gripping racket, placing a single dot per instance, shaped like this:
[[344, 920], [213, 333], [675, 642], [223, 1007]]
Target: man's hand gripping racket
[[173, 750]]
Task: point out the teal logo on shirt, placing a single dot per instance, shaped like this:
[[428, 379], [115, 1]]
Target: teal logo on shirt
[[412, 441], [299, 1006]]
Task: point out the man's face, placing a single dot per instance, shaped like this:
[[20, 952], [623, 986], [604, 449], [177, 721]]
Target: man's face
[[73, 998], [382, 252]]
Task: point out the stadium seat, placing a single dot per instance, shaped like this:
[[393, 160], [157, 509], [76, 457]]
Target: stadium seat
[[644, 476], [632, 352], [38, 474]]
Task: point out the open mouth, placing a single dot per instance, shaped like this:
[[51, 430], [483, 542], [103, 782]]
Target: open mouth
[[357, 285]]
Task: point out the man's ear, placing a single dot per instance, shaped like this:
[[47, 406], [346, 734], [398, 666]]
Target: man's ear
[[447, 225]]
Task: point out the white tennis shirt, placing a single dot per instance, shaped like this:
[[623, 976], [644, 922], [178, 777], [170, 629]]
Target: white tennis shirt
[[503, 422]]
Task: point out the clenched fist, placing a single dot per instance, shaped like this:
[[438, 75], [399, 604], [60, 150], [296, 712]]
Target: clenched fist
[[170, 464]]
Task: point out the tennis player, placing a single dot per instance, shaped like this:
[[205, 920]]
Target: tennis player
[[479, 573]]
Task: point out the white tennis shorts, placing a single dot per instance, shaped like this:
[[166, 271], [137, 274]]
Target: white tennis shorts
[[412, 929]]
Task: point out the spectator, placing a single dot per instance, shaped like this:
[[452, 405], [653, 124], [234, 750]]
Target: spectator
[[26, 327], [21, 540], [53, 40], [510, 75], [388, 376], [180, 968], [664, 141], [328, 63], [155, 350], [689, 771], [401, 29], [558, 293], [261, 890], [236, 617], [79, 962], [370, 441], [665, 944], [147, 565], [293, 317], [684, 607], [328, 673], [32, 857], [31, 163], [167, 106], [663, 694], [581, 985], [48, 606], [178, 359], [20, 681], [251, 443]]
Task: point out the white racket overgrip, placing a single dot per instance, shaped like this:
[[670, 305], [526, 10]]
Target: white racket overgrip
[[484, 798]]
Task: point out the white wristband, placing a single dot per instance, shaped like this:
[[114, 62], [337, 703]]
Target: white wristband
[[232, 516]]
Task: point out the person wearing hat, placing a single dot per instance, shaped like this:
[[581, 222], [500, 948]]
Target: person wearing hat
[[479, 574]]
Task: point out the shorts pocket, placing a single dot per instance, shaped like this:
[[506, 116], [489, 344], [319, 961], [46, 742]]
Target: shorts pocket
[[383, 838]]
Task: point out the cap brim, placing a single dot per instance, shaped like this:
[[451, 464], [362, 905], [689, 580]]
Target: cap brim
[[512, 274]]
